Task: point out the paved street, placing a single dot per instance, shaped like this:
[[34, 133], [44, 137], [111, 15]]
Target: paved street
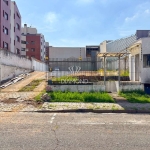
[[74, 131]]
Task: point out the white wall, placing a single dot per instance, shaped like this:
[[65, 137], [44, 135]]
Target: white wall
[[38, 65], [8, 72], [103, 47], [11, 59], [12, 65], [145, 72], [66, 52]]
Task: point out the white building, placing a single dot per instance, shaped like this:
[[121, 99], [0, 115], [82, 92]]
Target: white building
[[67, 52]]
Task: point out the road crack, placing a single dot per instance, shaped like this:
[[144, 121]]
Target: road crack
[[57, 140]]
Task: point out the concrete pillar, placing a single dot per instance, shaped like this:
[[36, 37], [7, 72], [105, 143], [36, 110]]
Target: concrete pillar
[[133, 68], [105, 72], [119, 72]]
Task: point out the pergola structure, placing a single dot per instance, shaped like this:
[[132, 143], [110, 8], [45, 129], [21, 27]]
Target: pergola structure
[[119, 55]]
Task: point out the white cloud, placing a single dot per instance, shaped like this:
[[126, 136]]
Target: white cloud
[[147, 11], [49, 23], [51, 17], [128, 19], [139, 14]]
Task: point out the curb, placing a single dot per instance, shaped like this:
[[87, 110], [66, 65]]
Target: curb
[[87, 111]]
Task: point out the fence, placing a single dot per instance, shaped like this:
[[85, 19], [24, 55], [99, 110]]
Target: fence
[[67, 70]]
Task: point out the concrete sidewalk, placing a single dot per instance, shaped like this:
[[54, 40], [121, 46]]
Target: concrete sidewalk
[[29, 106], [23, 102]]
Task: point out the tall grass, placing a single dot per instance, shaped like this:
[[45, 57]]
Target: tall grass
[[80, 97], [136, 96]]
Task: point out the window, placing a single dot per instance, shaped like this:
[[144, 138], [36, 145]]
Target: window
[[33, 49], [32, 42], [23, 42], [146, 61], [5, 30], [14, 42], [17, 39], [5, 45], [23, 49], [6, 1], [6, 16], [14, 29], [18, 51], [17, 15], [14, 16], [17, 26]]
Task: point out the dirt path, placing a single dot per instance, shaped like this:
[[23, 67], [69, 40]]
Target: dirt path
[[40, 87], [16, 87]]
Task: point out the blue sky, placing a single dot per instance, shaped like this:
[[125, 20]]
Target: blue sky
[[85, 22]]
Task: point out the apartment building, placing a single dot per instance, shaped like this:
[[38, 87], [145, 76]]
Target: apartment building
[[33, 43], [47, 51], [5, 24], [15, 29], [10, 23]]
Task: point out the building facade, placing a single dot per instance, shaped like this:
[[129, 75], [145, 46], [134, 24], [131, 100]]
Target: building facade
[[10, 26], [47, 51], [15, 29], [5, 24], [33, 44], [67, 52]]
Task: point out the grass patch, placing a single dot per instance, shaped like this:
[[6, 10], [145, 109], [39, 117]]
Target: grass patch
[[136, 96], [80, 97], [31, 86], [38, 97]]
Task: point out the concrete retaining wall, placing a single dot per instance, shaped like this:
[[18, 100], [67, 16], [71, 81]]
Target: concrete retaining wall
[[12, 65], [131, 87], [78, 88], [10, 59], [111, 86], [8, 72], [38, 65]]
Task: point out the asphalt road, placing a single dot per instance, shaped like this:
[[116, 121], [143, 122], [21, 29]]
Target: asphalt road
[[74, 131]]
